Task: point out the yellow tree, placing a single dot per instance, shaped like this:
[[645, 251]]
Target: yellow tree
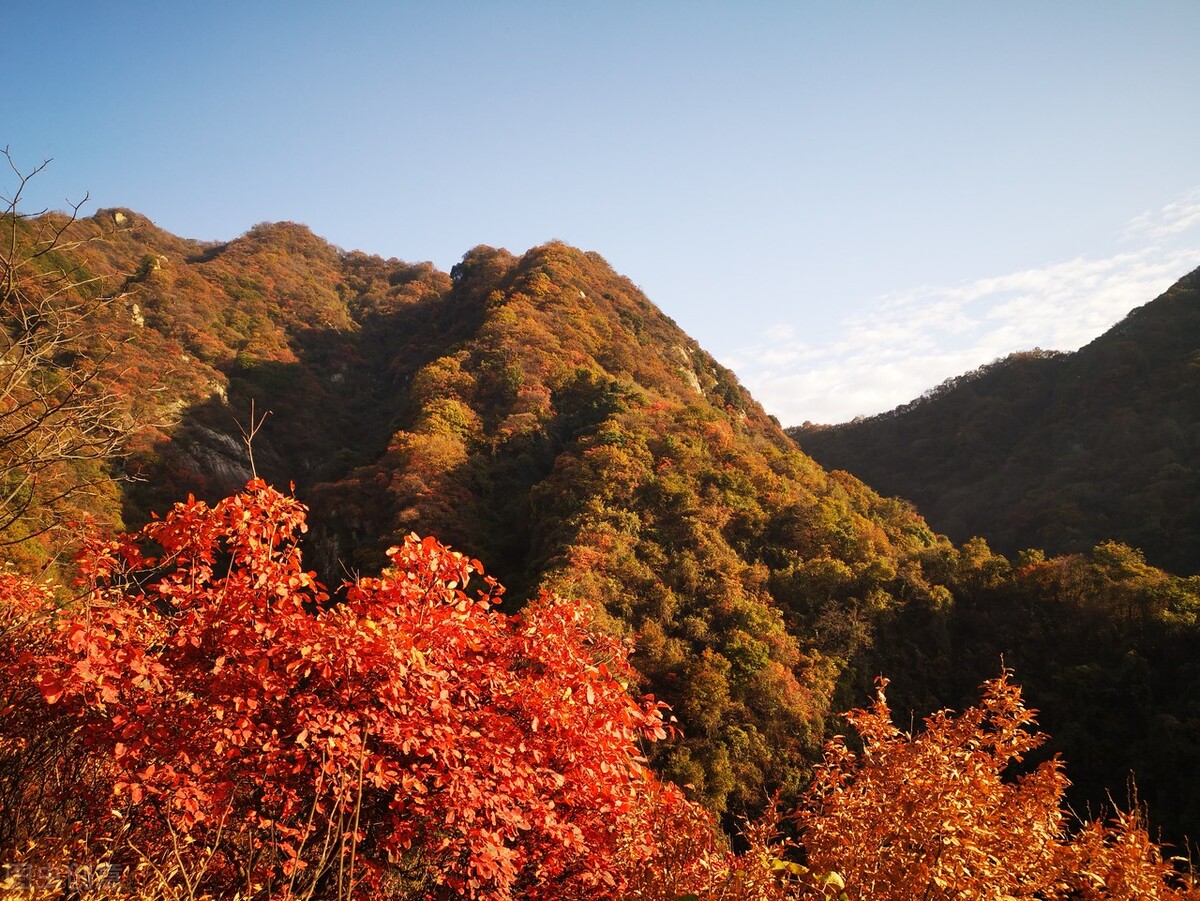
[[956, 812]]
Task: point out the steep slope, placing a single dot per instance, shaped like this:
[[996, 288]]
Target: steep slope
[[277, 317], [1055, 451]]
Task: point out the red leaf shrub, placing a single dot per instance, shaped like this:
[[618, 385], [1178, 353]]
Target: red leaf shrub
[[410, 739]]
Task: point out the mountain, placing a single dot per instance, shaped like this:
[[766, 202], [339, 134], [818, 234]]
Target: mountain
[[575, 437], [540, 413], [1053, 451]]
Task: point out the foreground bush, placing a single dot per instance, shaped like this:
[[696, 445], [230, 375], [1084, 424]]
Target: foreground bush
[[205, 711], [956, 812]]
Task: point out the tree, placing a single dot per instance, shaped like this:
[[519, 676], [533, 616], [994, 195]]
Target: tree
[[58, 420], [957, 812]]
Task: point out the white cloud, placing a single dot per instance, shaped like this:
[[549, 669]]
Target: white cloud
[[1172, 219], [915, 339]]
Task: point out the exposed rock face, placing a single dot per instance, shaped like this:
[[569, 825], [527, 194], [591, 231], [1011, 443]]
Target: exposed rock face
[[220, 456], [688, 372]]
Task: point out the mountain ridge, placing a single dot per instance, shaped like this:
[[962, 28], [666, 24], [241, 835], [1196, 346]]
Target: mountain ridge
[[1055, 451]]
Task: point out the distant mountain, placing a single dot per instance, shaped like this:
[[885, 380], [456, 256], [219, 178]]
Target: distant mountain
[[540, 413], [1053, 451]]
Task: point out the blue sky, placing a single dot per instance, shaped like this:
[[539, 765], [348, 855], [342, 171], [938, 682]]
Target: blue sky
[[846, 202]]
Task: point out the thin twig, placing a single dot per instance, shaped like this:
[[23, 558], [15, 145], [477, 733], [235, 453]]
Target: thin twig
[[248, 436]]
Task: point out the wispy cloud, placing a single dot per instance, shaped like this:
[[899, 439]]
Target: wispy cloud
[[915, 339], [1180, 216]]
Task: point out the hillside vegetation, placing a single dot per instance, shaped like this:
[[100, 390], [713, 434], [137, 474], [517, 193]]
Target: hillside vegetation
[[540, 414]]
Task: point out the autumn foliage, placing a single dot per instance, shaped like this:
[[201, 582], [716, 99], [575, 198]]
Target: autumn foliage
[[233, 722], [208, 720], [956, 811], [538, 412]]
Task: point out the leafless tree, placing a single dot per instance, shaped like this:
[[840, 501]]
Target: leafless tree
[[58, 418]]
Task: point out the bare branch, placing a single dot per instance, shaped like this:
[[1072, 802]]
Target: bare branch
[[248, 435], [58, 418]]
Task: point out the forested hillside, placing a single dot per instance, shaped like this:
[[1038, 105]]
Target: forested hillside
[[1053, 451], [539, 413]]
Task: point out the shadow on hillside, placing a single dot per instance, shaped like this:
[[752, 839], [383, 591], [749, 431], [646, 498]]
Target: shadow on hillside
[[321, 416]]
